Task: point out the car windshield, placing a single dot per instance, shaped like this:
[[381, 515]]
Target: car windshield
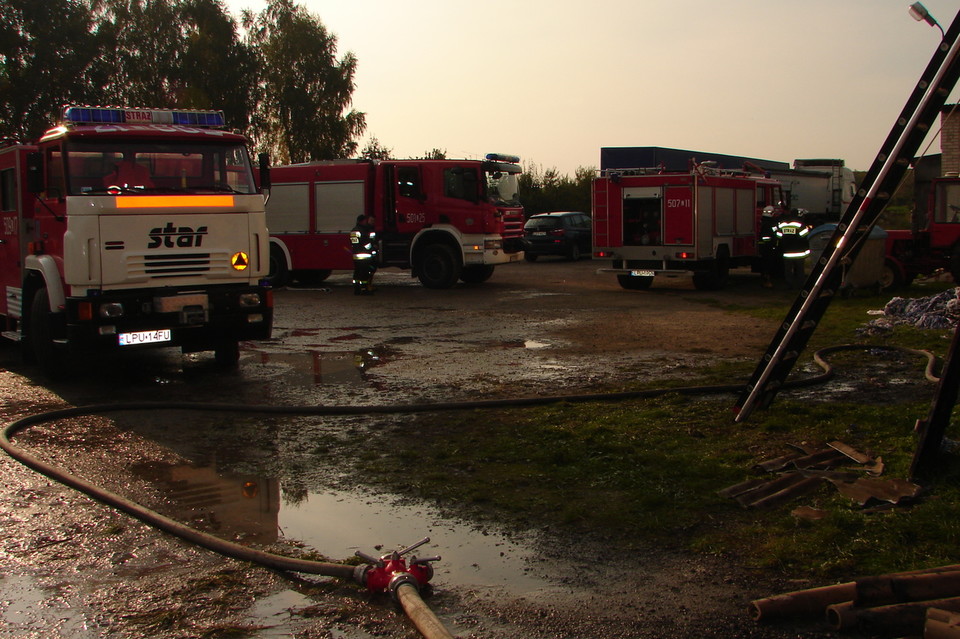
[[543, 223], [100, 167], [502, 188]]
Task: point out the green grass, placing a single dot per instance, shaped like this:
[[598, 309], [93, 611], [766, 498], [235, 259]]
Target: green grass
[[649, 471]]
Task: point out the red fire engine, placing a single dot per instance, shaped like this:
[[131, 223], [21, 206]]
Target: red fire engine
[[705, 221], [445, 220], [132, 228]]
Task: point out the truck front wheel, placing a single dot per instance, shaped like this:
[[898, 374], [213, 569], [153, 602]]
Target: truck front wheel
[[51, 357], [227, 353], [476, 274], [438, 267]]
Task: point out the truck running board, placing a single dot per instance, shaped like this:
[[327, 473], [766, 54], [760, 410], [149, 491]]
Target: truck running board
[[878, 186]]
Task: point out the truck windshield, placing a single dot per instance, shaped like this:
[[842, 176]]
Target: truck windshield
[[106, 168], [503, 188]]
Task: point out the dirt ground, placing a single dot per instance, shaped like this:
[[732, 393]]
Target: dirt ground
[[70, 567]]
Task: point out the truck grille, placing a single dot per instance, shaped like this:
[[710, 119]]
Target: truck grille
[[177, 265]]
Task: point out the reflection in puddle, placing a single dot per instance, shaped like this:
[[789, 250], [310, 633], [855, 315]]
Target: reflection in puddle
[[338, 523], [344, 367]]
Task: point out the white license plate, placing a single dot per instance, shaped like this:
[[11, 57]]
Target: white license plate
[[642, 273], [145, 337]]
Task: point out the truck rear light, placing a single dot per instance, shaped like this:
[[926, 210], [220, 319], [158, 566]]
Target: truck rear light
[[250, 300], [111, 309], [684, 255]]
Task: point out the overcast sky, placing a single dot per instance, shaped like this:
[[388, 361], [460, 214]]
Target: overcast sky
[[553, 82]]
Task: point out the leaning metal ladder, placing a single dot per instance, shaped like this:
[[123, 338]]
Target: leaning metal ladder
[[881, 181]]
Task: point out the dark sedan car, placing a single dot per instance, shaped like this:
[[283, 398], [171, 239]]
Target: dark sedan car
[[565, 233]]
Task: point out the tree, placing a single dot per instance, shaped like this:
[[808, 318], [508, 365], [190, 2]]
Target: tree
[[193, 59], [304, 90], [435, 154], [542, 191], [47, 51], [375, 151]]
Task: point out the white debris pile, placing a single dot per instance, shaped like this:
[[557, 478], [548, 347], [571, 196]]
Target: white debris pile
[[940, 311]]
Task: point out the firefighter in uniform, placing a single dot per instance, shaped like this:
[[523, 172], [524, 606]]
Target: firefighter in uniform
[[363, 245], [769, 256], [794, 244]]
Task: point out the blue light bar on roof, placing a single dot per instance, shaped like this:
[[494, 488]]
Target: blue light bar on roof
[[121, 115]]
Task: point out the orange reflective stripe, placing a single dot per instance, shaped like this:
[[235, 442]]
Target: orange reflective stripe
[[172, 201]]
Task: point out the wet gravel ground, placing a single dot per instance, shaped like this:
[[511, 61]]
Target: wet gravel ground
[[70, 567]]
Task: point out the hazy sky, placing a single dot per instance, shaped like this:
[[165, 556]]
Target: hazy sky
[[553, 82]]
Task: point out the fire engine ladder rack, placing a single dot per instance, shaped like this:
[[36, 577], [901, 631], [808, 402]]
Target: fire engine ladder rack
[[878, 186]]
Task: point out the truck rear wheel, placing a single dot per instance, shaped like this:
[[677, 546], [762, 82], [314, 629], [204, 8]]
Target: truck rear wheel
[[438, 267], [278, 273], [51, 357], [634, 282], [890, 277], [476, 274], [716, 274]]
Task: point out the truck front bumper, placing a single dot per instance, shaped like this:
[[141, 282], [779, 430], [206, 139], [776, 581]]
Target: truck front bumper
[[193, 319]]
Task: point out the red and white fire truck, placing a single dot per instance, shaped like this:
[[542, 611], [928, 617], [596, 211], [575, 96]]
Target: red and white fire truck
[[445, 220], [705, 221], [127, 228]]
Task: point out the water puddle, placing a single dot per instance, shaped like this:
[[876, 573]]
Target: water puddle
[[535, 344], [338, 523], [27, 610], [314, 368]]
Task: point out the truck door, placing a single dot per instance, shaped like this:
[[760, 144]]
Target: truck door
[[409, 200]]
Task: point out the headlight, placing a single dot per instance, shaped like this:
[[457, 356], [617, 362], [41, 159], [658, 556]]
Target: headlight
[[250, 300]]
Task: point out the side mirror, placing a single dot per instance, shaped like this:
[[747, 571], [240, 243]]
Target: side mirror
[[264, 159], [35, 172]]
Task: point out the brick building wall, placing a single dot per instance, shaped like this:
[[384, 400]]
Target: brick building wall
[[950, 139]]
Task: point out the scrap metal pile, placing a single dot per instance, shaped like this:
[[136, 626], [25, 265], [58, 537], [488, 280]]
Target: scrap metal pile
[[854, 474]]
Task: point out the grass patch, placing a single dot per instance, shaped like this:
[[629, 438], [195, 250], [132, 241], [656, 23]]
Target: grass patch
[[649, 471]]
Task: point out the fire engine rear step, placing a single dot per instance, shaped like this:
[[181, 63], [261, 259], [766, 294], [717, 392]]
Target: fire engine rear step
[[895, 156]]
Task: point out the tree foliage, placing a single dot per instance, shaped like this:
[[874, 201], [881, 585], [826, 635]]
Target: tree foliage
[[375, 151], [282, 84], [48, 56], [542, 190], [304, 90]]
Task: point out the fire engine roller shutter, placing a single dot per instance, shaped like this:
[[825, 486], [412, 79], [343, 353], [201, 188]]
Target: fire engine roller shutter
[[642, 215], [338, 204], [288, 209]]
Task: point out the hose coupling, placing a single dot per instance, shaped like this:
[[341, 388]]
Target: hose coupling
[[399, 579]]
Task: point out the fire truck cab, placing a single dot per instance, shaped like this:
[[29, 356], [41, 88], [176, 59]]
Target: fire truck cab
[[650, 222], [444, 220], [123, 229]]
